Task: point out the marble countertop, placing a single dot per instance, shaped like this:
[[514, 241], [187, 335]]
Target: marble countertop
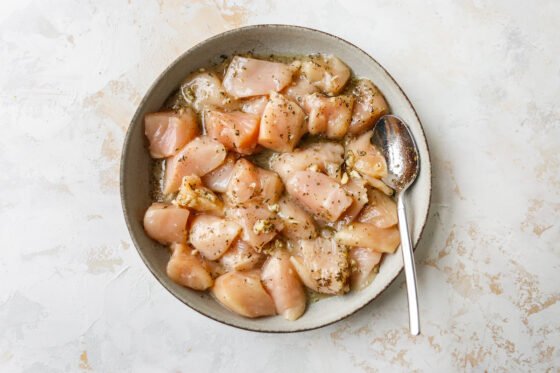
[[484, 77]]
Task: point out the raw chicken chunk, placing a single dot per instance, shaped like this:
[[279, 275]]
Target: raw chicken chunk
[[218, 179], [246, 77], [363, 157], [326, 72], [299, 89], [328, 115], [298, 224], [204, 90], [192, 194], [283, 284], [319, 194], [255, 105], [323, 266], [362, 263], [370, 105], [259, 224], [378, 184], [381, 210], [243, 293], [383, 240], [198, 157], [168, 131], [357, 190], [282, 124], [326, 157], [251, 183], [212, 236], [241, 257], [187, 269], [236, 130], [166, 223], [214, 268]]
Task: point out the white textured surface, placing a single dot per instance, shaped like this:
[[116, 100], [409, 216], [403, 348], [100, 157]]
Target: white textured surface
[[74, 295]]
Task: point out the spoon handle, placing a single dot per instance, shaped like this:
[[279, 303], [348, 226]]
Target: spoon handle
[[409, 269]]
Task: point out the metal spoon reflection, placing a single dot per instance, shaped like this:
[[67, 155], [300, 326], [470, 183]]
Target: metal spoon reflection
[[394, 140]]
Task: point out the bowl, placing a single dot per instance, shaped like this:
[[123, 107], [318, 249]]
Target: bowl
[[264, 40]]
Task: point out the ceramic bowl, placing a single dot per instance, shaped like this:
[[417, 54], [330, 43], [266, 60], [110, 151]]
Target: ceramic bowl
[[264, 40]]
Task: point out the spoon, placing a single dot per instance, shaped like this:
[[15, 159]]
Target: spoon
[[392, 137]]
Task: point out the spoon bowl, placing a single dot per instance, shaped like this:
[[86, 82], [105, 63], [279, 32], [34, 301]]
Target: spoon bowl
[[392, 137]]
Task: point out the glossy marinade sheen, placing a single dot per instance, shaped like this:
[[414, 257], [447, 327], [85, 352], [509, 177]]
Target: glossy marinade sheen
[[266, 187]]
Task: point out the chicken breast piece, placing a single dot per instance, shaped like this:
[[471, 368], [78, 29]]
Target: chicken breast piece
[[282, 124], [328, 115], [378, 184], [246, 77], [323, 266], [212, 236], [241, 257], [204, 90], [243, 293], [298, 224], [362, 263], [363, 157], [326, 157], [192, 194], [255, 105], [299, 88], [381, 210], [251, 183], [259, 224], [198, 157], [356, 188], [168, 131], [166, 223], [187, 269], [369, 106], [326, 72], [383, 240], [319, 194], [283, 284], [236, 130], [218, 179]]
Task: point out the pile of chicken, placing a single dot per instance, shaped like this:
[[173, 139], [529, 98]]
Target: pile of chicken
[[315, 216]]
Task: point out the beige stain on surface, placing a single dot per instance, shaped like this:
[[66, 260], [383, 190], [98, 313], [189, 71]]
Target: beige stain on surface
[[465, 283], [443, 252], [529, 298], [338, 334], [191, 24], [102, 260], [84, 361], [435, 346], [109, 148], [109, 178], [117, 102], [234, 15], [546, 353], [497, 333], [548, 170], [538, 217], [475, 357], [448, 166], [494, 284]]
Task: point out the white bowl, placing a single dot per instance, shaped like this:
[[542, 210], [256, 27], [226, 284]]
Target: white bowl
[[264, 40]]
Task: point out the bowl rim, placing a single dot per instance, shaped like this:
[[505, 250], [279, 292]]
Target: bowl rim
[[135, 118]]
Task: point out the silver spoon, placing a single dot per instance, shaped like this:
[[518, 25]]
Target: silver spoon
[[392, 137]]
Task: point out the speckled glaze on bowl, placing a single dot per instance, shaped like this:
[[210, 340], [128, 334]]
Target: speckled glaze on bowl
[[265, 39]]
